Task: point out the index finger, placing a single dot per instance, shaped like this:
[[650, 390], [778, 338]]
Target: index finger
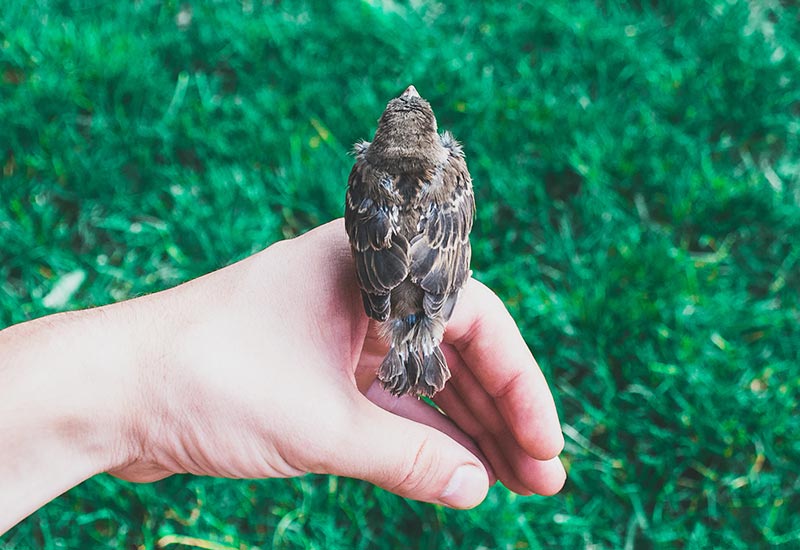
[[492, 347]]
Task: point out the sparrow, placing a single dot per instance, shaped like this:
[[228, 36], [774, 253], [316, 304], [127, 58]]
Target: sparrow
[[408, 214]]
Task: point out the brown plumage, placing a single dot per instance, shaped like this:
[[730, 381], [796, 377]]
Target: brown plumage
[[408, 214]]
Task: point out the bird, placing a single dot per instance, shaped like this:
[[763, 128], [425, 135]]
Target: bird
[[409, 210]]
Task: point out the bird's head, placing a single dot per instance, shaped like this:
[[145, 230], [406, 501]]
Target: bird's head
[[408, 113], [407, 132]]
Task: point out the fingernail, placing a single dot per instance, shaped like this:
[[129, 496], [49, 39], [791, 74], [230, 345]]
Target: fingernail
[[467, 487]]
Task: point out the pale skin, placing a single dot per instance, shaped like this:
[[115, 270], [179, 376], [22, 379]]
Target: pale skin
[[263, 369]]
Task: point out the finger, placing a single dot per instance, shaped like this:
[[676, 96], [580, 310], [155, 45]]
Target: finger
[[481, 404], [517, 470], [467, 400], [491, 345], [452, 404], [409, 459], [419, 411], [543, 477]]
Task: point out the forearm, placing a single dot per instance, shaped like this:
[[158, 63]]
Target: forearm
[[64, 382]]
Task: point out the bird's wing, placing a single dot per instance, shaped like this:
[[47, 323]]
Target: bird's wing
[[379, 251], [441, 252]]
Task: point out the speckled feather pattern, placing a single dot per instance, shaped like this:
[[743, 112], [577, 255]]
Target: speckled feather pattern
[[408, 214]]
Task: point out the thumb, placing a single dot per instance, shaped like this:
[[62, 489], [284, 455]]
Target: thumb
[[412, 460]]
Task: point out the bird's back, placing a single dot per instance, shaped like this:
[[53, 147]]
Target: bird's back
[[408, 215]]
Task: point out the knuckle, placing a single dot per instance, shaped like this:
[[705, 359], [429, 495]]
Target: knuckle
[[417, 477]]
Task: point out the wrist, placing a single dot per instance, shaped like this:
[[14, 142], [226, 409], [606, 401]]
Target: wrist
[[64, 389]]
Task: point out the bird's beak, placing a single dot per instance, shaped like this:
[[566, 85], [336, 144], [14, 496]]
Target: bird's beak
[[411, 91]]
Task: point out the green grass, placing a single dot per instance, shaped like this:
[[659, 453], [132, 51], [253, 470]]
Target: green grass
[[638, 185]]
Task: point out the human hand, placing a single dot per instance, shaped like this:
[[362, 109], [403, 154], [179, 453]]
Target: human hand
[[266, 368]]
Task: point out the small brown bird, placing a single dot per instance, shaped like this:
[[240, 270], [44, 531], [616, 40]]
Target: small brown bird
[[408, 215]]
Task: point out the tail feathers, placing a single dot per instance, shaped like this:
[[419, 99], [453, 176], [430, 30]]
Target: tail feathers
[[414, 364], [434, 374], [393, 373], [416, 373]]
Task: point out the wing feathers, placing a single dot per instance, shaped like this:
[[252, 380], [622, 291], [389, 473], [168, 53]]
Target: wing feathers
[[437, 259], [441, 253], [379, 251]]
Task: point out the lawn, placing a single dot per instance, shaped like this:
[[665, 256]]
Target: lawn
[[637, 176]]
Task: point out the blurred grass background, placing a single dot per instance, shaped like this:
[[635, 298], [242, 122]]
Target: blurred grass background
[[638, 183]]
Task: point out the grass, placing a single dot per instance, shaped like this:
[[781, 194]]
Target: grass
[[638, 185]]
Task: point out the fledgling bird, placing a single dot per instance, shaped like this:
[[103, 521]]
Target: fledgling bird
[[408, 214]]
